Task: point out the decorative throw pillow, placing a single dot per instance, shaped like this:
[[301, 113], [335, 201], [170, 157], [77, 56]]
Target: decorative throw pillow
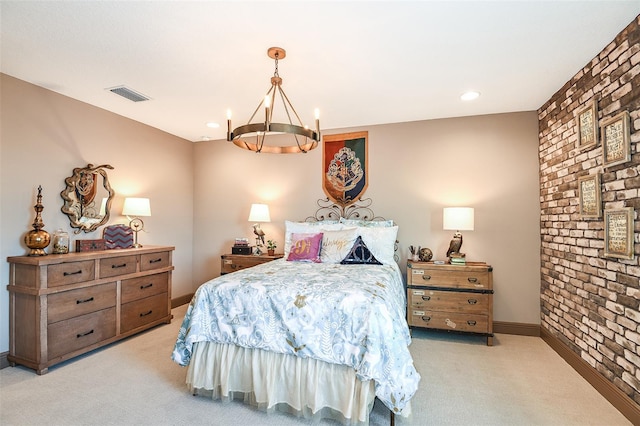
[[336, 244], [306, 228], [118, 237], [381, 241], [305, 247], [360, 255]]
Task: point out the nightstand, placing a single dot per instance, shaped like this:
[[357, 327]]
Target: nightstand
[[235, 262], [451, 297]]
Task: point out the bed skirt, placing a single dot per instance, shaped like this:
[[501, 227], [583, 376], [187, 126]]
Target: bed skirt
[[272, 381]]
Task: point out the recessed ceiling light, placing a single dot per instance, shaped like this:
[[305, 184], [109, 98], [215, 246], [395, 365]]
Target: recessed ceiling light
[[469, 96], [213, 125]]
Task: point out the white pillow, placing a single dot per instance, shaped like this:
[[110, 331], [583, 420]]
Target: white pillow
[[337, 244], [381, 241], [291, 227]]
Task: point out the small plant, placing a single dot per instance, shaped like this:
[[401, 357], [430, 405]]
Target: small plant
[[271, 245]]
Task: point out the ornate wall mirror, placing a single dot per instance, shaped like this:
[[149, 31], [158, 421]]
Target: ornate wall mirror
[[87, 198]]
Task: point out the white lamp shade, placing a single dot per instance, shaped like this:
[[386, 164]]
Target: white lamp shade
[[259, 213], [457, 218], [136, 207]]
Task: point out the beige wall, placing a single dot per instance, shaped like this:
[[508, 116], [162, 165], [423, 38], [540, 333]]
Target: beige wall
[[201, 193], [45, 135], [415, 169]]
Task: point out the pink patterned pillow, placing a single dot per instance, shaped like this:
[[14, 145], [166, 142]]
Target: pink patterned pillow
[[305, 247]]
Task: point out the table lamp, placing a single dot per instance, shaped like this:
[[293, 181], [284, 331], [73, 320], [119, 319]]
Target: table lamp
[[259, 213], [457, 219], [133, 209]]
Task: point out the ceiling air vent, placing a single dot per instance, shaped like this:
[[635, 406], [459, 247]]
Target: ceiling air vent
[[125, 92]]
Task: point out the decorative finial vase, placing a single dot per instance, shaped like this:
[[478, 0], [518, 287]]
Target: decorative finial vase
[[37, 239]]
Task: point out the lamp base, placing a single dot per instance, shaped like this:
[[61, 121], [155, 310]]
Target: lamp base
[[136, 225]]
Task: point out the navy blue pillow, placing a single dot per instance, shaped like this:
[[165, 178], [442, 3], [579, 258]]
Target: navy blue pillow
[[360, 255]]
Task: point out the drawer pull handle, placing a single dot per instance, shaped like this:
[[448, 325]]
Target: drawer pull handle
[[426, 319], [84, 334], [122, 265], [144, 314], [84, 301], [426, 297], [471, 322], [426, 277], [472, 280], [66, 274], [472, 301], [142, 287], [156, 260]]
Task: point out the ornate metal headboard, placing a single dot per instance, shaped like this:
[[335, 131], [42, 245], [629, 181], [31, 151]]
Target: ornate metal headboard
[[328, 210]]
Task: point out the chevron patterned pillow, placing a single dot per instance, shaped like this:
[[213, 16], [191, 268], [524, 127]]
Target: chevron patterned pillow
[[118, 237]]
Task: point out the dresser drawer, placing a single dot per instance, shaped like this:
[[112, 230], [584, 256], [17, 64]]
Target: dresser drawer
[[237, 262], [152, 261], [449, 320], [114, 266], [450, 301], [143, 311], [82, 301], [70, 273], [139, 288], [67, 336], [451, 278]]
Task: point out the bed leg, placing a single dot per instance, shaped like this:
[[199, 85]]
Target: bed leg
[[392, 418]]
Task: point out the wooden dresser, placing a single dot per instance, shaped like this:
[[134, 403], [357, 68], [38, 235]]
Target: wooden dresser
[[235, 262], [63, 305], [451, 297]]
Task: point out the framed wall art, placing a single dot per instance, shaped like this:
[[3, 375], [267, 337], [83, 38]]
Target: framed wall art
[[344, 167], [587, 125], [590, 196], [618, 233], [616, 148]]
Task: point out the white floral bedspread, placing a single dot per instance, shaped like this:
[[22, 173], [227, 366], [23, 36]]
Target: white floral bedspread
[[342, 314]]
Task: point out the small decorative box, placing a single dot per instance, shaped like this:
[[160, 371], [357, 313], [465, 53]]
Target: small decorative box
[[90, 245], [241, 250]]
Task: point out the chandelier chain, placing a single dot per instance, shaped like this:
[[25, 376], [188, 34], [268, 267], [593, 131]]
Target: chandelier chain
[[275, 73]]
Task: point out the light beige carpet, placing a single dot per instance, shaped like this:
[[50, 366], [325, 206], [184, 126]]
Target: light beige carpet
[[519, 381]]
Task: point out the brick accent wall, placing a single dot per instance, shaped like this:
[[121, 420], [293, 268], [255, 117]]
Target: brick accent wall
[[588, 301]]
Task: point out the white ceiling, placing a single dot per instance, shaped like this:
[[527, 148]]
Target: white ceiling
[[360, 62]]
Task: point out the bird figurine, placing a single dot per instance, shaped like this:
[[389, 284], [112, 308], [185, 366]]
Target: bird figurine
[[259, 233], [455, 244]]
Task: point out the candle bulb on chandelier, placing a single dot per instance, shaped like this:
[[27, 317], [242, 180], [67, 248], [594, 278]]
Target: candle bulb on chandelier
[[317, 113], [228, 123], [267, 103]]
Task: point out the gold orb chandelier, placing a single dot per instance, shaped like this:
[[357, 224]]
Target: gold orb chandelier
[[253, 136]]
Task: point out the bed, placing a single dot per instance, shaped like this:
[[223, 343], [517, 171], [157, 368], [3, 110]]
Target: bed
[[320, 333]]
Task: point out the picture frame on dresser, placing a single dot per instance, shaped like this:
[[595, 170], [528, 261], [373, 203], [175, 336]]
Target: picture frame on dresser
[[618, 233], [616, 135], [587, 125], [590, 196]]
